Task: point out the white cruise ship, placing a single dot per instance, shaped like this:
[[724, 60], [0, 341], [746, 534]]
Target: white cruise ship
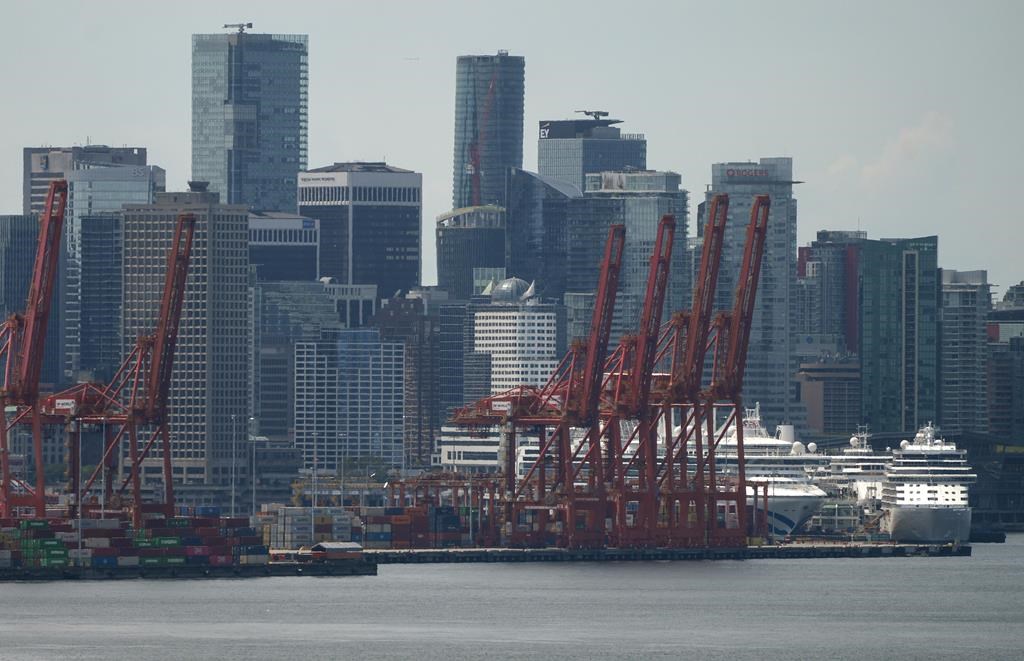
[[785, 465], [853, 480], [925, 491]]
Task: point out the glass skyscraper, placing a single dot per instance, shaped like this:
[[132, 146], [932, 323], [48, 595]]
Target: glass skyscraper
[[249, 116], [899, 298], [571, 149], [369, 216], [92, 274], [488, 126], [772, 362]]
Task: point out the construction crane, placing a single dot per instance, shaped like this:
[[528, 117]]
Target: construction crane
[[136, 396], [22, 339], [240, 26], [482, 126]]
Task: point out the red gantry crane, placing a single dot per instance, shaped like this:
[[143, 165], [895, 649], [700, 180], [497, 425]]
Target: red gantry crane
[[541, 507], [136, 397], [632, 374], [22, 340], [725, 390]]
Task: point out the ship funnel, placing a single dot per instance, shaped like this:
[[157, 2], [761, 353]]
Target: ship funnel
[[786, 433]]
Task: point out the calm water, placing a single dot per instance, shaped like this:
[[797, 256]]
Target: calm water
[[910, 608]]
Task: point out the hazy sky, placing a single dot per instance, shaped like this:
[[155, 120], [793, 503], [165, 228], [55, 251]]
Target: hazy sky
[[903, 118]]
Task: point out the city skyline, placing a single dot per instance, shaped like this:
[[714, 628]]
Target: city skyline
[[908, 137]]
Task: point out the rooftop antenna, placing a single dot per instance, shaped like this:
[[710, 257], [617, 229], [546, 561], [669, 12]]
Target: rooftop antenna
[[241, 26], [596, 114]]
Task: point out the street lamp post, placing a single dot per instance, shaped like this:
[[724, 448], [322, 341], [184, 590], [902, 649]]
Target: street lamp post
[[252, 473], [234, 438]]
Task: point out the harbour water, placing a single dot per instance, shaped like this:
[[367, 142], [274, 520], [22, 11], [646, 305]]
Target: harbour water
[[910, 608]]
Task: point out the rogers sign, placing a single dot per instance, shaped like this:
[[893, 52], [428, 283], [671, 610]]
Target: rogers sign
[[732, 172]]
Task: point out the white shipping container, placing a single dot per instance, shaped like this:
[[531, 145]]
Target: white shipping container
[[128, 561], [96, 542]]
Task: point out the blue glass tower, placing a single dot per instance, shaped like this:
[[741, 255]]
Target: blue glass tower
[[249, 116]]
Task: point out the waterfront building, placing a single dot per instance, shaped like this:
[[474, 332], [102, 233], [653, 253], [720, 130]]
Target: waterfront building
[[899, 333], [369, 217], [489, 97], [831, 261], [284, 246], [451, 355], [963, 351], [1005, 373], [41, 165], [469, 240], [91, 276], [830, 392], [349, 399], [284, 312], [414, 321], [569, 150], [19, 236], [250, 116], [771, 360], [519, 335], [210, 384]]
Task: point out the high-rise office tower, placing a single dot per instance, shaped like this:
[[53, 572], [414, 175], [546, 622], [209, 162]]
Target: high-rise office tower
[[569, 150], [369, 217], [249, 116], [1005, 373], [899, 332], [469, 240], [771, 359], [283, 313], [93, 263], [349, 399], [519, 334], [414, 322], [963, 350], [45, 164], [555, 236], [210, 385], [535, 237], [489, 93], [284, 246], [831, 260], [637, 200]]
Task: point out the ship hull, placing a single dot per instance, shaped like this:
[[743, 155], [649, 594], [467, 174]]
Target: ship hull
[[930, 525], [788, 514]]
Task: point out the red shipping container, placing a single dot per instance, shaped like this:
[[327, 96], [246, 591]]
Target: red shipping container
[[197, 550], [147, 553], [108, 552], [221, 560]]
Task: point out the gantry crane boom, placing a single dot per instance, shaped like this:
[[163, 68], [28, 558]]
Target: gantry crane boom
[[582, 409], [25, 389], [688, 360], [165, 338], [727, 382], [22, 345], [642, 369]]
